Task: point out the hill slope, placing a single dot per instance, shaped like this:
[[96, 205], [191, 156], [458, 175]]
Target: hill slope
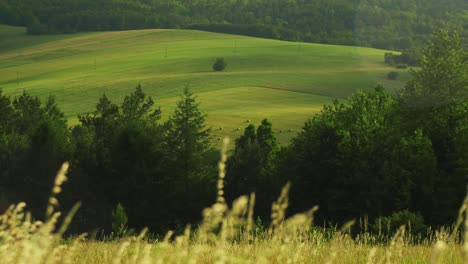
[[287, 82]]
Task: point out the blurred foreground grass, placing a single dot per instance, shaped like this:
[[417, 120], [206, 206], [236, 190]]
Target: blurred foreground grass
[[227, 234]]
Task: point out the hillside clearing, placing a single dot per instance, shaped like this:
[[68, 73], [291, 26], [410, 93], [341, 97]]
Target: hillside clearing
[[298, 78]]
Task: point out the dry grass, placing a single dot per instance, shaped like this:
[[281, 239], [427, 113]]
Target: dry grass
[[226, 235]]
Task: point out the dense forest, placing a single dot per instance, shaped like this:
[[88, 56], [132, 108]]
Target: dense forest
[[389, 24], [373, 156]]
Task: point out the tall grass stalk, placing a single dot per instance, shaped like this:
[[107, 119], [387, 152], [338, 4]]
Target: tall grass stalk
[[225, 235]]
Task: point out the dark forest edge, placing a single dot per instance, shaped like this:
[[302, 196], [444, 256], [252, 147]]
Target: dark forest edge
[[386, 24], [401, 157]]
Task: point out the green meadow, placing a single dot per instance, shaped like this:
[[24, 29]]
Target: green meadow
[[287, 82]]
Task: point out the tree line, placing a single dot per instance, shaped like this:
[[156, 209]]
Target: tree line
[[388, 24], [374, 155]]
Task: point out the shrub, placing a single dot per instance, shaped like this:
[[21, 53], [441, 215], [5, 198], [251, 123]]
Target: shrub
[[36, 28], [408, 57], [402, 66], [119, 220], [390, 224], [389, 58], [219, 64], [392, 75]]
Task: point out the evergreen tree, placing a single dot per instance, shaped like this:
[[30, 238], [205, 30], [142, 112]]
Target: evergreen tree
[[190, 160], [251, 168], [34, 141], [121, 150], [187, 137]]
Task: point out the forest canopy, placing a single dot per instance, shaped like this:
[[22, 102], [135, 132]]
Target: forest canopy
[[388, 24]]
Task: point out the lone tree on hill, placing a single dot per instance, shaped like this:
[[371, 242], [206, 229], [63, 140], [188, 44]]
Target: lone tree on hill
[[219, 64], [392, 75]]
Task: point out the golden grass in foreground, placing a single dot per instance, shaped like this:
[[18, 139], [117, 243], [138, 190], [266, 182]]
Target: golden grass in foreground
[[226, 235]]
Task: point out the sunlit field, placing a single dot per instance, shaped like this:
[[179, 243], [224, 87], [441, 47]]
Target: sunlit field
[[292, 80]]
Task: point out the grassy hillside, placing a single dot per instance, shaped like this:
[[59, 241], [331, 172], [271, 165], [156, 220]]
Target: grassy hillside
[[285, 81]]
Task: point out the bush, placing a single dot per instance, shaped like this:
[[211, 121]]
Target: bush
[[36, 28], [402, 66], [389, 58], [392, 75], [408, 57], [219, 64], [390, 224], [119, 220]]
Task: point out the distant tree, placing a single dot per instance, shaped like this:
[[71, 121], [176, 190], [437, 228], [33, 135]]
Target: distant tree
[[189, 153], [28, 109], [121, 148], [409, 172], [244, 166], [252, 167], [8, 114], [407, 57], [100, 128], [336, 161], [267, 140], [219, 64], [442, 78], [435, 102], [187, 135], [34, 141], [36, 28], [392, 75], [138, 106], [389, 58], [137, 154]]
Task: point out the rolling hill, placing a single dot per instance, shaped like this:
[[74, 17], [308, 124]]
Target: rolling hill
[[287, 82]]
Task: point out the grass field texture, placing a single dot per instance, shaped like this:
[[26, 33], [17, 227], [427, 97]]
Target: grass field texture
[[287, 82]]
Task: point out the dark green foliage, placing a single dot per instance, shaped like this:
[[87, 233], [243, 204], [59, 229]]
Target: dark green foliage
[[389, 225], [33, 143], [354, 160], [255, 30], [335, 162], [121, 155], [389, 58], [407, 57], [251, 168], [435, 100], [392, 75], [190, 158], [410, 173], [378, 154], [136, 160], [119, 220], [219, 64], [385, 24], [187, 137], [34, 27]]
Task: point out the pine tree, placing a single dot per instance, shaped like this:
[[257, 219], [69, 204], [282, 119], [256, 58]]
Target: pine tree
[[187, 137], [191, 173]]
